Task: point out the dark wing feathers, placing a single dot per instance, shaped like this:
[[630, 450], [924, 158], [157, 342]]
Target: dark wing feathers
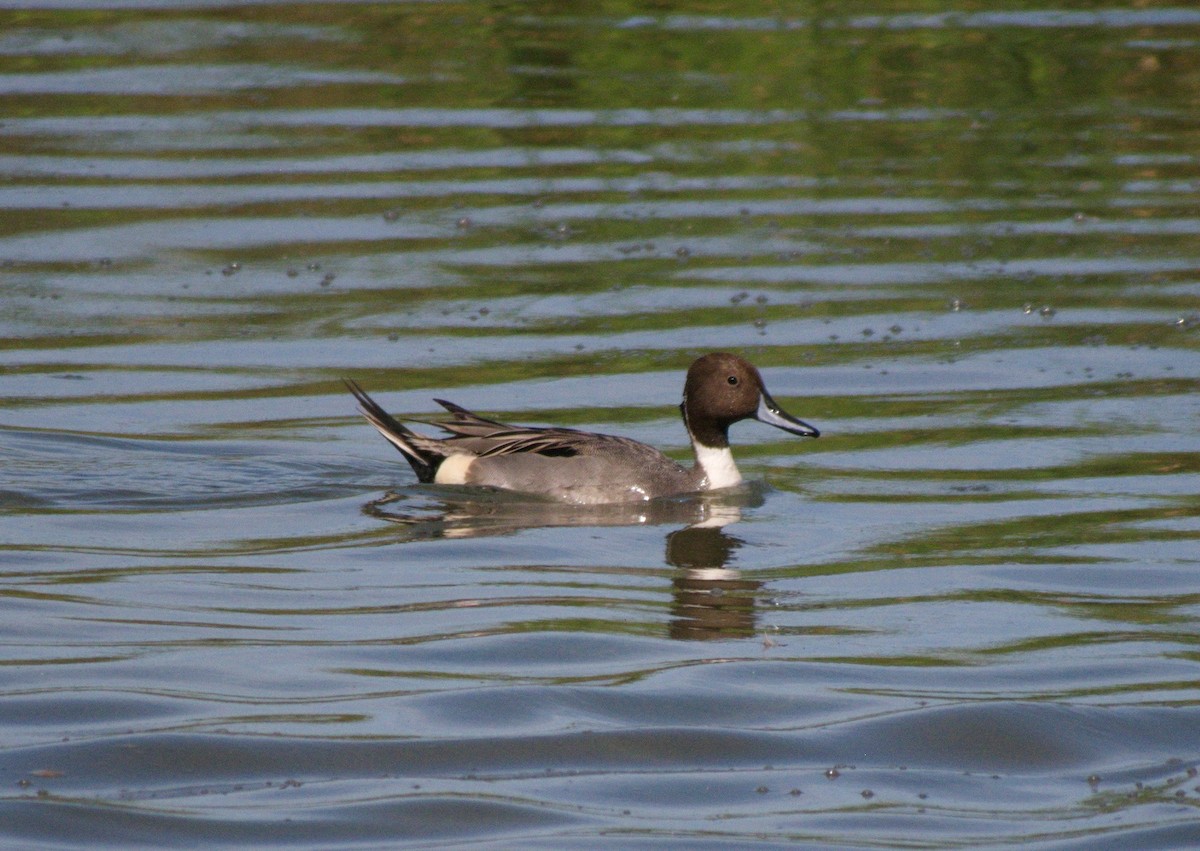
[[472, 433], [543, 442], [466, 422], [493, 437]]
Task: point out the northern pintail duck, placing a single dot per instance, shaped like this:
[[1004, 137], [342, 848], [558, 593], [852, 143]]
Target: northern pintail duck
[[587, 468]]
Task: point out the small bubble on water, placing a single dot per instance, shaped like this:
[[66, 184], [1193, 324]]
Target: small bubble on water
[[867, 793], [1047, 311], [313, 267], [1080, 218], [956, 304], [390, 215], [832, 774], [464, 222]]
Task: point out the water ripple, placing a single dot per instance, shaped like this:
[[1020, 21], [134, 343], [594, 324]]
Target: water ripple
[[961, 243]]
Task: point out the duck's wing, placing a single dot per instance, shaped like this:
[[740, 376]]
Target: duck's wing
[[547, 441], [468, 423], [491, 438]]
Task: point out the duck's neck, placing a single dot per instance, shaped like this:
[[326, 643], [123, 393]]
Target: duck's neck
[[717, 465], [714, 460]]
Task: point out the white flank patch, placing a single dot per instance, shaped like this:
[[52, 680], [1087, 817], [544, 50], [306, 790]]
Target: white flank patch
[[718, 466], [453, 471]]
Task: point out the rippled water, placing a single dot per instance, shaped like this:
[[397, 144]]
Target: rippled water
[[964, 242]]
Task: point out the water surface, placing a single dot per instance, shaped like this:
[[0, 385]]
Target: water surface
[[961, 241]]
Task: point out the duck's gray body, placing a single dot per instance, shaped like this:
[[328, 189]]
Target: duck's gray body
[[587, 468], [604, 468]]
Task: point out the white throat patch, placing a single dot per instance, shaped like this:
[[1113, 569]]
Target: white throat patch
[[717, 464]]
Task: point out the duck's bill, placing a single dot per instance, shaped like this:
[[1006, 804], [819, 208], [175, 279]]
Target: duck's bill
[[771, 414]]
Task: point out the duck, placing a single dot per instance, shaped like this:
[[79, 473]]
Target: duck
[[588, 468]]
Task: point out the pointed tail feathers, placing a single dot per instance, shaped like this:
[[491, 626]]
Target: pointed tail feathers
[[411, 445]]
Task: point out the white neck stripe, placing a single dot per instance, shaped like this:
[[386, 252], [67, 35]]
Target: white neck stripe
[[717, 464]]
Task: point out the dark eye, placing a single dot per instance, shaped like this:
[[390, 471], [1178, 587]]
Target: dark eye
[[733, 379]]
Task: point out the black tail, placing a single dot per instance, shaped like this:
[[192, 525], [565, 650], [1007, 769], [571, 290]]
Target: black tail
[[408, 442]]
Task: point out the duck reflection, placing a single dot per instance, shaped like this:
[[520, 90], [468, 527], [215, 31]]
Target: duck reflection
[[710, 599], [445, 512]]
